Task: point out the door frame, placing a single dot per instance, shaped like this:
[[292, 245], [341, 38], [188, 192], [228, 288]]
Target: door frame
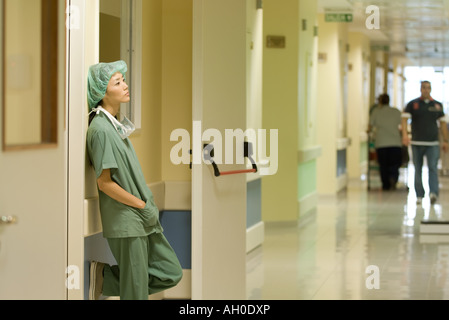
[[82, 51]]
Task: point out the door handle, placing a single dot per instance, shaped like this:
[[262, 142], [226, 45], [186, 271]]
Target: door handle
[[6, 220]]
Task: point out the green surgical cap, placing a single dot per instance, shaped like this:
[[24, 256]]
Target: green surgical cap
[[98, 79]]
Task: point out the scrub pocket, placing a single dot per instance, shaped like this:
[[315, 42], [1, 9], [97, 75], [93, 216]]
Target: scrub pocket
[[149, 214]]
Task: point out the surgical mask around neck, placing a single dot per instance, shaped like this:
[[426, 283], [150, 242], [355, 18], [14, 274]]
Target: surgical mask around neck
[[124, 128]]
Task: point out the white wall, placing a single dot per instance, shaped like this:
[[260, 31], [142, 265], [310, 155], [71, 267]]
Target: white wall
[[331, 103], [358, 102]]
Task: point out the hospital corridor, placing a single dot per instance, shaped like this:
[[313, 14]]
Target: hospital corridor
[[224, 150], [329, 255]]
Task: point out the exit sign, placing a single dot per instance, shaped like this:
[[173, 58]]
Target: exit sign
[[338, 17]]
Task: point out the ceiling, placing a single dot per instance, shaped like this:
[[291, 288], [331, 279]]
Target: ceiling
[[415, 30]]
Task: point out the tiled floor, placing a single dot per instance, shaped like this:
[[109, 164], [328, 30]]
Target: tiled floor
[[358, 245]]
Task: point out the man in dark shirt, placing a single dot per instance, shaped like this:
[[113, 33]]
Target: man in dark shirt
[[425, 113]]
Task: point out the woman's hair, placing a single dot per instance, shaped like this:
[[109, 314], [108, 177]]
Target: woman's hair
[[91, 117], [93, 114]]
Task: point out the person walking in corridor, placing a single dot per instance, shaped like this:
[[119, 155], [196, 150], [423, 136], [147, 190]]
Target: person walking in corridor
[[385, 121], [426, 116], [130, 219]]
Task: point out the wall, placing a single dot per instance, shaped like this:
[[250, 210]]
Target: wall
[[289, 104], [167, 86], [148, 142], [308, 149], [358, 103], [397, 100], [332, 106], [110, 30], [378, 84], [176, 80], [280, 108]]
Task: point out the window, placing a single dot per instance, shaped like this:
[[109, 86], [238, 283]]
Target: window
[[30, 73], [122, 20]]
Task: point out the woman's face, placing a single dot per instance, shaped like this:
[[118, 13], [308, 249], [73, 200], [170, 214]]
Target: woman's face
[[117, 90]]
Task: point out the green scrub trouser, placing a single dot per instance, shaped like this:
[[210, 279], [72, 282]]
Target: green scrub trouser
[[146, 265]]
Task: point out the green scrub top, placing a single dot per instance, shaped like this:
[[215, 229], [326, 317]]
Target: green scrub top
[[107, 150]]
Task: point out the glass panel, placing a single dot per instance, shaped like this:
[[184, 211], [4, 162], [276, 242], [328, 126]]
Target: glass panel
[[29, 73], [120, 23]]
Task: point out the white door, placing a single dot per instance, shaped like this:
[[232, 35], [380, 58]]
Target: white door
[[218, 203], [33, 205]]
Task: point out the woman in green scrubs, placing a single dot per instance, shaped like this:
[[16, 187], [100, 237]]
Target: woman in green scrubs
[[130, 219]]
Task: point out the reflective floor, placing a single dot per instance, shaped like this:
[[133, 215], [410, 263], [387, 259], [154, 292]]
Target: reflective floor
[[357, 245]]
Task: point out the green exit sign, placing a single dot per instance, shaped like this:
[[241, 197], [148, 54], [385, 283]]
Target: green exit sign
[[338, 17]]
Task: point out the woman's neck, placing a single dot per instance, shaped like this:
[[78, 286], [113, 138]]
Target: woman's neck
[[113, 110]]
